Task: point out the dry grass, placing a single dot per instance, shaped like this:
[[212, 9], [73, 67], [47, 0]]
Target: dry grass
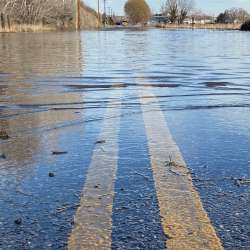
[[229, 26], [15, 28], [89, 20], [89, 9], [89, 17]]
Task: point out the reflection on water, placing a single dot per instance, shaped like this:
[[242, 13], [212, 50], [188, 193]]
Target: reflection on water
[[25, 58], [53, 84], [26, 103]]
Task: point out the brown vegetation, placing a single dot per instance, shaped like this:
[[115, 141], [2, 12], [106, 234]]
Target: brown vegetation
[[89, 17], [33, 11], [137, 11], [43, 15], [28, 28], [219, 26], [238, 14]]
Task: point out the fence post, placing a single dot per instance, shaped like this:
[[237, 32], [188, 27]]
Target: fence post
[[2, 21], [8, 19]]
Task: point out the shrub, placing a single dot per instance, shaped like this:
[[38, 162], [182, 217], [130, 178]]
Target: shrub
[[137, 11], [246, 25]]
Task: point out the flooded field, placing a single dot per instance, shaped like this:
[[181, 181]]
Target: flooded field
[[102, 132]]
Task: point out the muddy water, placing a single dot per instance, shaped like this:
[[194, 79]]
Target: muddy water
[[54, 92]]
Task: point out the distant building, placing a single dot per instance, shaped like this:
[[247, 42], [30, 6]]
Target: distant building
[[205, 19], [158, 19], [187, 20]]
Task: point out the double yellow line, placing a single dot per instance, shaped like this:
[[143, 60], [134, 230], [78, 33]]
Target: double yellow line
[[183, 218], [93, 225]]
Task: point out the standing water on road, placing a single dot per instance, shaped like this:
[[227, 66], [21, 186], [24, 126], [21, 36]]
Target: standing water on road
[[101, 131]]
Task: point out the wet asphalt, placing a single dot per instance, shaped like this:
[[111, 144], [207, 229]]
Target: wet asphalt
[[54, 100]]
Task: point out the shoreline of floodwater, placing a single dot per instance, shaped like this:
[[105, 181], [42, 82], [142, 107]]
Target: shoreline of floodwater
[[18, 28]]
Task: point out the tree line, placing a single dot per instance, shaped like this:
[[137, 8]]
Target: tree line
[[139, 11], [233, 14]]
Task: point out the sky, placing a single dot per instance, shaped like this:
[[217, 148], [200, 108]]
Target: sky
[[212, 7]]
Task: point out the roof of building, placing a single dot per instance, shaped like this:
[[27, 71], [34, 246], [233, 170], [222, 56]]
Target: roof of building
[[159, 18]]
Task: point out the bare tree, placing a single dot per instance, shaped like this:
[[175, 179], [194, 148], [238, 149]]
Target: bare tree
[[137, 11], [243, 15], [238, 13], [175, 7], [185, 7], [170, 8], [32, 11], [233, 13], [197, 14]]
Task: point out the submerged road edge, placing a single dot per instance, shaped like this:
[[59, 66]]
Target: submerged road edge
[[184, 220], [93, 223]]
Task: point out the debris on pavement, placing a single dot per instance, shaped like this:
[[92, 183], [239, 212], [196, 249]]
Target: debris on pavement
[[18, 222], [20, 191], [3, 156], [59, 152], [4, 135], [64, 208], [237, 183], [100, 142]]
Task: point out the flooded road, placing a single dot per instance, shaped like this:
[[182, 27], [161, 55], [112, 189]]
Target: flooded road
[[125, 139]]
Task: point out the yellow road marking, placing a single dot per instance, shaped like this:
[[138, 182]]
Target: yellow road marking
[[183, 218], [92, 228]]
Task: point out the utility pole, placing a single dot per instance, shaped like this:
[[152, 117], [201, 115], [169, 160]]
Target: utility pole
[[98, 15], [76, 13], [79, 13], [109, 10], [104, 12]]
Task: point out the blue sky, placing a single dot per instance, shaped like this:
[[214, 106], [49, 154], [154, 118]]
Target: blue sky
[[207, 6]]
